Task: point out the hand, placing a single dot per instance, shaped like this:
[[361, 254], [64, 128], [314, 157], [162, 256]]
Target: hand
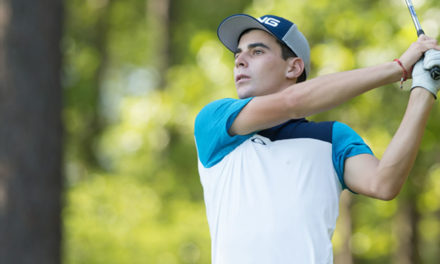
[[417, 49], [432, 58], [422, 77]]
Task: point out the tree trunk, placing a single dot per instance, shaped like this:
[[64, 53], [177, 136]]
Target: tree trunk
[[158, 15], [94, 120], [408, 219], [30, 131], [407, 233]]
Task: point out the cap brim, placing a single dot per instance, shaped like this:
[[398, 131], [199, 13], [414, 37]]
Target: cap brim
[[232, 27]]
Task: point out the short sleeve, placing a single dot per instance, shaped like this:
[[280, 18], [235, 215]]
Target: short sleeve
[[211, 127], [346, 143]]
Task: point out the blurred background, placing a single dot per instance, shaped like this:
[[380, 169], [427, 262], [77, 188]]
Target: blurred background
[[97, 105]]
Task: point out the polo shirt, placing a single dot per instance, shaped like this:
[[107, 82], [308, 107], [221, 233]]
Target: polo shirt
[[271, 196]]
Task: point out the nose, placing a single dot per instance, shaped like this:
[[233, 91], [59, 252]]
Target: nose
[[240, 60]]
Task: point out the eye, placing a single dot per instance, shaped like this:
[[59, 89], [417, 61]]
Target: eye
[[257, 51]]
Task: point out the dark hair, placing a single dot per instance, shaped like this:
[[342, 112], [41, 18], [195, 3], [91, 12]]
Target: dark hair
[[286, 53]]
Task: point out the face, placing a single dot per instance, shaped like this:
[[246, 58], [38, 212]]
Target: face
[[259, 68]]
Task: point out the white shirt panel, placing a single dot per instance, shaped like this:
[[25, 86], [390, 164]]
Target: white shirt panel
[[275, 202]]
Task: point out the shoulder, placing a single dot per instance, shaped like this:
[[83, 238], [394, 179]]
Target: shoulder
[[222, 105], [211, 127], [220, 110], [212, 106], [343, 133]]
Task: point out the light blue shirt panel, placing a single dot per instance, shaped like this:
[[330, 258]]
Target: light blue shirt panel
[[211, 130], [346, 143]]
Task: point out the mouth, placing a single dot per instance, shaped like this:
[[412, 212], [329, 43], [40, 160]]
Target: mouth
[[241, 78]]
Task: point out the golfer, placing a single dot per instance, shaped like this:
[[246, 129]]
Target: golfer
[[271, 179]]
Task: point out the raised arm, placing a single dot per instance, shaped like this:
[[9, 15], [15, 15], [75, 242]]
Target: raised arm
[[384, 178], [324, 92]]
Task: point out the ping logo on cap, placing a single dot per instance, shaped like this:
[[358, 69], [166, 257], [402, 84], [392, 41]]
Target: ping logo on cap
[[269, 21]]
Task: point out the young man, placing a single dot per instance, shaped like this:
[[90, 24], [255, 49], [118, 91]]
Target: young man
[[271, 179]]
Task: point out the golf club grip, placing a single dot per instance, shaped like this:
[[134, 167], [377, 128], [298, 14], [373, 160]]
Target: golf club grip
[[420, 32], [435, 72]]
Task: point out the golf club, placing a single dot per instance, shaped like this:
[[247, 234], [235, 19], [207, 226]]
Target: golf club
[[435, 71]]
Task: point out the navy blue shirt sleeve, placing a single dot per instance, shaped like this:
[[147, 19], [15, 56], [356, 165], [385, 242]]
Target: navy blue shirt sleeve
[[346, 143], [211, 127]]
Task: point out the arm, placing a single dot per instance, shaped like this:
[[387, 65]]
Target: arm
[[383, 179], [322, 93]]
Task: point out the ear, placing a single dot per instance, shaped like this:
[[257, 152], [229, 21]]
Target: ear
[[295, 67]]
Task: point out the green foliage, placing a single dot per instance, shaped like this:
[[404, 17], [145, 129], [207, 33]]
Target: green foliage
[[119, 220], [141, 201]]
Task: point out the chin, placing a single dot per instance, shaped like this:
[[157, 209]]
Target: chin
[[244, 93], [244, 96]]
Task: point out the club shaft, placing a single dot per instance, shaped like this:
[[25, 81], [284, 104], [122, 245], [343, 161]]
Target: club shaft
[[434, 71], [414, 17]]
